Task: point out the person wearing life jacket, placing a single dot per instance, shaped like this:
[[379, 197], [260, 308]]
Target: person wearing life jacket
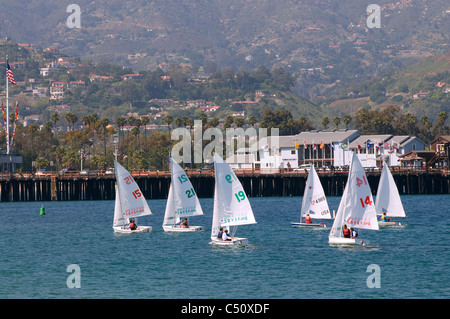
[[346, 231], [353, 233], [220, 234], [133, 225], [384, 218], [308, 219]]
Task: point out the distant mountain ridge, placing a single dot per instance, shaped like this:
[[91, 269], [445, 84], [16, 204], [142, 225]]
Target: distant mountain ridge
[[329, 37]]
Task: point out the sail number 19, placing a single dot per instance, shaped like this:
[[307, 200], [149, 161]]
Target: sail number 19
[[240, 196]]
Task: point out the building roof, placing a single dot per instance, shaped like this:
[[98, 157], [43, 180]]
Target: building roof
[[444, 137], [314, 136], [326, 136], [362, 140], [417, 155]]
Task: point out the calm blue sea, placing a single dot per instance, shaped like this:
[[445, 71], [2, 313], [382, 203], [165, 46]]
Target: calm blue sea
[[280, 262]]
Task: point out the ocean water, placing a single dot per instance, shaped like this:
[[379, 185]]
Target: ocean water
[[280, 262]]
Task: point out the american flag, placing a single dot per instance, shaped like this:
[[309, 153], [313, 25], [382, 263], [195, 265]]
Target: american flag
[[9, 74]]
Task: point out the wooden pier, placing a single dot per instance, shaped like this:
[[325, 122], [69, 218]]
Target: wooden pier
[[155, 184]]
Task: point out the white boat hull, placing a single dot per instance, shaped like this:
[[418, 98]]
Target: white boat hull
[[381, 224], [319, 225], [235, 241], [126, 230], [178, 229], [344, 241]]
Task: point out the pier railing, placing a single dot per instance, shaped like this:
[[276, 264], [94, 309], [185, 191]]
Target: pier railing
[[210, 172], [100, 185]]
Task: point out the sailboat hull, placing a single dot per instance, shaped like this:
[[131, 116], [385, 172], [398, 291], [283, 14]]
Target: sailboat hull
[[177, 229], [235, 241], [344, 241], [387, 224], [125, 230], [319, 225]]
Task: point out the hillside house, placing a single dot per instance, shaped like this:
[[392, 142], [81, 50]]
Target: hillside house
[[420, 95], [134, 77], [76, 84], [100, 78]]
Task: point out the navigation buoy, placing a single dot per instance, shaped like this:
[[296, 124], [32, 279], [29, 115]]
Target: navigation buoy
[[42, 210]]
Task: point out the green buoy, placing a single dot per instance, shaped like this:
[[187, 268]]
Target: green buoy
[[42, 210]]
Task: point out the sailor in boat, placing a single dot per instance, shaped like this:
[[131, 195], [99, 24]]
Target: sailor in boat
[[353, 233], [308, 219], [133, 225], [226, 237], [346, 231], [384, 218], [220, 234], [184, 223]]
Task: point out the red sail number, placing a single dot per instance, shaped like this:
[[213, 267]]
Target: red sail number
[[360, 181], [128, 180], [137, 193], [367, 201]]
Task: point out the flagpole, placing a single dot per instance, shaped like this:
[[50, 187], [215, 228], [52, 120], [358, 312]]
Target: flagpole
[[304, 156], [7, 113]]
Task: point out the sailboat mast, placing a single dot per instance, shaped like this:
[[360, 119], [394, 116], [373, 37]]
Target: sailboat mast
[[172, 185]]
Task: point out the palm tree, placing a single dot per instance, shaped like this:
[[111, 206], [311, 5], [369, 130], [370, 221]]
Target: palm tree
[[104, 122], [55, 118], [337, 121], [347, 120], [228, 121], [121, 121], [178, 122], [71, 118], [93, 121], [168, 119], [443, 116], [131, 120], [144, 121], [204, 118], [136, 131], [214, 122], [325, 122], [252, 120], [239, 121]]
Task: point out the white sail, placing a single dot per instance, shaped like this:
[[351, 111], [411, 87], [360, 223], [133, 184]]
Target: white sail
[[132, 201], [182, 200], [231, 205], [118, 216], [314, 200], [356, 208], [388, 199]]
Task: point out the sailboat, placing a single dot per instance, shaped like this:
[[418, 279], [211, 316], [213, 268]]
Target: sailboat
[[130, 203], [182, 201], [388, 199], [356, 208], [231, 205], [314, 202]]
